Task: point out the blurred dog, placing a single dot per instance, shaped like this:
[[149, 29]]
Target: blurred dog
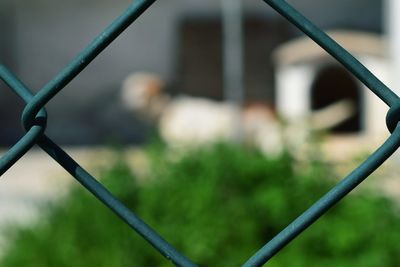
[[186, 121]]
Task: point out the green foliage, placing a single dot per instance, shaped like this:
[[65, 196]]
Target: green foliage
[[218, 206]]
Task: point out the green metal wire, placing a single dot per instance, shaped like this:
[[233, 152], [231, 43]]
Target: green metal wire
[[34, 119], [333, 48], [327, 201], [81, 61], [32, 135], [91, 184], [102, 194]]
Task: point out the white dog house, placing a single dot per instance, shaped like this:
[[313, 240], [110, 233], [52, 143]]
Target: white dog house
[[308, 79]]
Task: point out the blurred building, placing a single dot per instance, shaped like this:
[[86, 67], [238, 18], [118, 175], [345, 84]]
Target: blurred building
[[181, 40]]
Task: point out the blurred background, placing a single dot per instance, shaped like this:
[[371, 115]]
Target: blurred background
[[181, 41], [226, 57]]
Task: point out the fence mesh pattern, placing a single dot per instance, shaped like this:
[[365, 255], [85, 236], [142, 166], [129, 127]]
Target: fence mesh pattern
[[34, 118]]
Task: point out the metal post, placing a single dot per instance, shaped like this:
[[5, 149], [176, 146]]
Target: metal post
[[232, 28], [392, 25]]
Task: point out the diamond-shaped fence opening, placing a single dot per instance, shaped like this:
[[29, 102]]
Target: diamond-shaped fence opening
[[34, 119]]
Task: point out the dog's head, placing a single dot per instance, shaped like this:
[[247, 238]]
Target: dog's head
[[139, 91]]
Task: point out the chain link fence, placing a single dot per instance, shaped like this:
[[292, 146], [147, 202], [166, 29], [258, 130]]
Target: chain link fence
[[34, 118]]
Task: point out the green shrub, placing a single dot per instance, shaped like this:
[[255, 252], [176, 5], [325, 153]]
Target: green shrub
[[218, 206]]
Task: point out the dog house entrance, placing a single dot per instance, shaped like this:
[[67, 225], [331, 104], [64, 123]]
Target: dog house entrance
[[333, 84]]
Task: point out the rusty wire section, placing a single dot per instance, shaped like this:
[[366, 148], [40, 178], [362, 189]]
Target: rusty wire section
[[34, 119]]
